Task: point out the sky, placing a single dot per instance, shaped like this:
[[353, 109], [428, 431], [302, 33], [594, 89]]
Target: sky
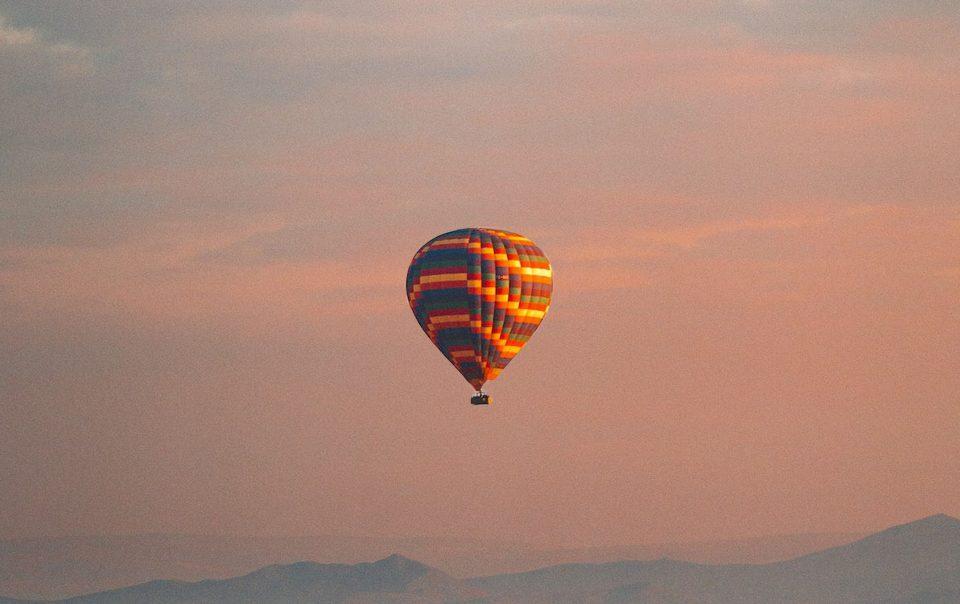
[[207, 210]]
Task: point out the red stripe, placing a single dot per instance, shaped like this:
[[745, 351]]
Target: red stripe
[[460, 349], [440, 327], [445, 312]]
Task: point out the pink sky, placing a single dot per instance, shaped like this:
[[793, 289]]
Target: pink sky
[[206, 216]]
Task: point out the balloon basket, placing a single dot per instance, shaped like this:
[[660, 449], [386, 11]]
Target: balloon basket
[[480, 399]]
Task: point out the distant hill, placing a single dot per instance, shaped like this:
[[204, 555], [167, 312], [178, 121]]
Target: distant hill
[[758, 550], [63, 567], [914, 563], [393, 579]]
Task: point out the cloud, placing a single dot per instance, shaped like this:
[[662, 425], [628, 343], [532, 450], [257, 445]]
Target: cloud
[[306, 241], [625, 242], [769, 258], [30, 37], [11, 36]]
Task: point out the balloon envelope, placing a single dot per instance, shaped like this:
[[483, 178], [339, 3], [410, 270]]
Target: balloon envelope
[[479, 294]]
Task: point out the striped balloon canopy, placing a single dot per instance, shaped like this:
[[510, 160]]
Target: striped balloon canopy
[[479, 294]]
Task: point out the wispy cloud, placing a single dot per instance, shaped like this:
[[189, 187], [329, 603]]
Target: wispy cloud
[[628, 242], [29, 37], [11, 36]]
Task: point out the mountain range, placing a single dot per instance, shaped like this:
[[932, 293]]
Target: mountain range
[[56, 568], [911, 563]]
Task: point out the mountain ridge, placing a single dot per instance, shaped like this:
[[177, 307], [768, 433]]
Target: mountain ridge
[[57, 568], [394, 577], [914, 562]]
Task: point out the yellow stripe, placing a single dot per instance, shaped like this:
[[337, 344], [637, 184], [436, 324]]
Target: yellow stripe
[[444, 277], [539, 272], [448, 241], [450, 318]]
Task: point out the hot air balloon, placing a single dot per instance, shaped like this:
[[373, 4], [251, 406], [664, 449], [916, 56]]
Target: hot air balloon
[[479, 294]]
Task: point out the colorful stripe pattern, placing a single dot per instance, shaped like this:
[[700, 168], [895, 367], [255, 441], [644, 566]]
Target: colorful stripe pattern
[[479, 294]]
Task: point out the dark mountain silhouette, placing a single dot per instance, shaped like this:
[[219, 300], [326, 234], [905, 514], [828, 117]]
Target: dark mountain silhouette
[[757, 550], [55, 568], [914, 562], [394, 579], [918, 562]]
